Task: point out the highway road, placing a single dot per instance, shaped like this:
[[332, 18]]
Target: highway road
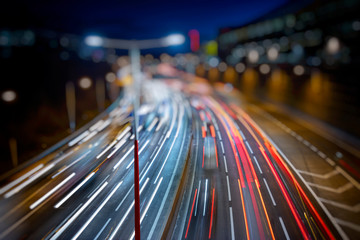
[[208, 170], [85, 188]]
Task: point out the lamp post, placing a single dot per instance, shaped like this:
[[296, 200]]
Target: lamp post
[[134, 47]]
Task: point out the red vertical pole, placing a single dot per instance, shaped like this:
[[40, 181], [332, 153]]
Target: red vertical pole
[[134, 53], [137, 190]]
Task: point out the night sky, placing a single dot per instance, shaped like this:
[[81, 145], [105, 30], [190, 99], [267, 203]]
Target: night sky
[[134, 19]]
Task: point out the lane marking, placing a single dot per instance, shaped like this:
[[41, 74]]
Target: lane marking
[[232, 224], [123, 158], [323, 176], [228, 187], [148, 205], [247, 144], [62, 157], [169, 185], [152, 124], [143, 147], [74, 162], [355, 208], [73, 191], [321, 154], [348, 177], [40, 200], [284, 229], [312, 147], [18, 180], [97, 211], [73, 218], [106, 149], [117, 147], [98, 186], [257, 164], [353, 226], [226, 169], [206, 183], [125, 131], [197, 198], [331, 162], [88, 137], [102, 229], [30, 180], [78, 138], [341, 189], [222, 147], [127, 194], [271, 196], [127, 212]]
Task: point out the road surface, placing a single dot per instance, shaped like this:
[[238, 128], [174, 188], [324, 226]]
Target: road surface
[[211, 167]]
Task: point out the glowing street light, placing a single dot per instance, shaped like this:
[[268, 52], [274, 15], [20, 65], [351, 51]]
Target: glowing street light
[[170, 40], [8, 96], [94, 41], [85, 83], [253, 56], [272, 54]]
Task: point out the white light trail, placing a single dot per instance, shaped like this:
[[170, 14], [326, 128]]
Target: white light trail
[[73, 191], [40, 200], [73, 218]]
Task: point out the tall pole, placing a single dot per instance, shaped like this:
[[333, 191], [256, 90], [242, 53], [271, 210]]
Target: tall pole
[[100, 94], [13, 151], [70, 104], [134, 53]]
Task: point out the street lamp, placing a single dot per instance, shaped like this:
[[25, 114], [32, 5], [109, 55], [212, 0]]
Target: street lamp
[[8, 96], [134, 47]]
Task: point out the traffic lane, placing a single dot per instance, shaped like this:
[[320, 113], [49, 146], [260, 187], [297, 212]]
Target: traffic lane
[[176, 229], [323, 140], [122, 222], [247, 181], [53, 166], [209, 206], [171, 174], [45, 185], [333, 197], [71, 205], [280, 216], [327, 227]]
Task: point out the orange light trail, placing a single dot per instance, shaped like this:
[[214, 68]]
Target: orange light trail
[[212, 212], [280, 161], [203, 156], [298, 220], [212, 131], [192, 209], [243, 207], [216, 154]]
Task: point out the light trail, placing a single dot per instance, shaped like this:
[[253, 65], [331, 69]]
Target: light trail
[[30, 180], [61, 202], [76, 215], [148, 205], [127, 213], [20, 179], [96, 212], [40, 200]]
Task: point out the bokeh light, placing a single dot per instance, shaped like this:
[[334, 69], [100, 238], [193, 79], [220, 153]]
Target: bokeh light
[[85, 83], [8, 96]]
